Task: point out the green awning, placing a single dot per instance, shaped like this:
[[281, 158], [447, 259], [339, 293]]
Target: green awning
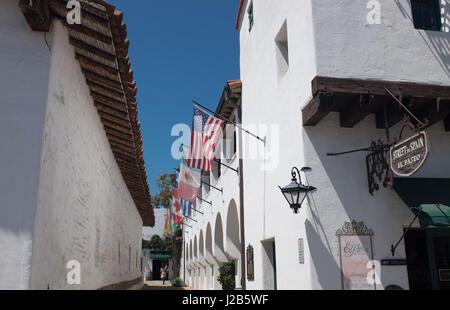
[[160, 255], [432, 196]]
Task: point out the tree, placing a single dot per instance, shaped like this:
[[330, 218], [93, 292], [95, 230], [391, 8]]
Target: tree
[[146, 244], [177, 244], [227, 276], [165, 182], [160, 245], [156, 243]]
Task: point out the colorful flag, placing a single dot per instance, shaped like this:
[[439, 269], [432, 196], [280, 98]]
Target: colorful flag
[[205, 132], [177, 217], [174, 224], [186, 206], [176, 201], [168, 224], [189, 181]]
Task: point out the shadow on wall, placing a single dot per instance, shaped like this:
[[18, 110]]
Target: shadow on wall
[[341, 184], [437, 41], [327, 271]]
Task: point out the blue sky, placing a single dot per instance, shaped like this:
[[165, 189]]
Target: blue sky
[[180, 50]]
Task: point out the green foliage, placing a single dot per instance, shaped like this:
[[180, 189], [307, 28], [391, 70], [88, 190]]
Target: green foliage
[[176, 249], [226, 276], [167, 245], [156, 243], [146, 244], [165, 183], [178, 282]]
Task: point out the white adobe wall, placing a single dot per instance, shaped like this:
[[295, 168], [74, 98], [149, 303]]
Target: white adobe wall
[[343, 195], [341, 181], [266, 100], [24, 76], [84, 209], [347, 46], [199, 270]]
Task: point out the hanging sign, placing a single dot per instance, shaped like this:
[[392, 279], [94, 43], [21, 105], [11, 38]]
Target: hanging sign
[[356, 253], [408, 156]]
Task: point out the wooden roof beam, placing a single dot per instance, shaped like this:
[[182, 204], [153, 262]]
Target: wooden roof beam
[[97, 67], [37, 14], [394, 112], [118, 105], [92, 49], [317, 108], [118, 96], [377, 87], [358, 107]]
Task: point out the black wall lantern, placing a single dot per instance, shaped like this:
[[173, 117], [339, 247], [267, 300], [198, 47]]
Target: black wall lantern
[[296, 191]]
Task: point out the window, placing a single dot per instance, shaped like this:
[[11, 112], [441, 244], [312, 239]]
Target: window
[[205, 182], [426, 14], [216, 164], [282, 51], [129, 258], [250, 17], [229, 141], [118, 250]]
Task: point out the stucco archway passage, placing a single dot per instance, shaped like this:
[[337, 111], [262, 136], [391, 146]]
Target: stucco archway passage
[[233, 243], [201, 245], [219, 250]]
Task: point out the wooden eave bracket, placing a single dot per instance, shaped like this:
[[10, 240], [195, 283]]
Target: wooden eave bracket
[[37, 14]]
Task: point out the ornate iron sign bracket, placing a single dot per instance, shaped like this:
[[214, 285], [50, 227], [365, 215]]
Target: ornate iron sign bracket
[[378, 168], [354, 228]]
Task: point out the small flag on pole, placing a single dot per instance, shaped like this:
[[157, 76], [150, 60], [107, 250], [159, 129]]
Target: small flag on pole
[[168, 224], [205, 132], [189, 181], [186, 206]]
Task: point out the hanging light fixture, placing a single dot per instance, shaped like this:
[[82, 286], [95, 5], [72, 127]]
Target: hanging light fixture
[[295, 193]]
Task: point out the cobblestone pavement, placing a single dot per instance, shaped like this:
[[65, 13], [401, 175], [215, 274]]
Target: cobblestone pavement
[[158, 285]]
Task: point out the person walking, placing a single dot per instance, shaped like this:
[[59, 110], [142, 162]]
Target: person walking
[[164, 273]]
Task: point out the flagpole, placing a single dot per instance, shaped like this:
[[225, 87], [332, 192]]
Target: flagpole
[[191, 219], [217, 161], [220, 163], [184, 256], [205, 201], [197, 211], [227, 120], [220, 190]]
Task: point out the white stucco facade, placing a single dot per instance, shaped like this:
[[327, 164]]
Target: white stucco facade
[[290, 43], [63, 195], [214, 236], [148, 266], [327, 38], [24, 79]]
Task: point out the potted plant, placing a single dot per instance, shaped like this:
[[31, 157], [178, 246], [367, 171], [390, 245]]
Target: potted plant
[[227, 276]]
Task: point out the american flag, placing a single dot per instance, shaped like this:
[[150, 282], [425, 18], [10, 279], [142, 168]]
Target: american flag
[[206, 131]]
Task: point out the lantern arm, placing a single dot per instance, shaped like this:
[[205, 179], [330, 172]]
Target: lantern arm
[[294, 174]]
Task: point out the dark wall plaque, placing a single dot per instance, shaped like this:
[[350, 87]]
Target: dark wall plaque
[[250, 264], [444, 275], [408, 156], [301, 251]]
